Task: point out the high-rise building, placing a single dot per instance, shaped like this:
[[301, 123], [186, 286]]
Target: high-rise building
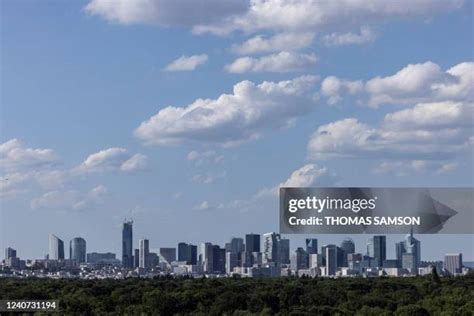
[[236, 245], [127, 244], [10, 253], [144, 249], [284, 251], [206, 257], [377, 249], [270, 247], [168, 255], [77, 249], [136, 258], [231, 261], [218, 259], [56, 248], [347, 247], [453, 263], [411, 246], [94, 257], [311, 246], [331, 259], [300, 259], [187, 253], [252, 243]]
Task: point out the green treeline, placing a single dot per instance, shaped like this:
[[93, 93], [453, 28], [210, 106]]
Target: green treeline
[[242, 296]]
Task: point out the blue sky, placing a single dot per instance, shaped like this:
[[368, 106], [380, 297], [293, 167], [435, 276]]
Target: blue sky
[[97, 126]]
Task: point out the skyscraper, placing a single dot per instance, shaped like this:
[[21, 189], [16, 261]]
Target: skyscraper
[[377, 249], [56, 248], [284, 251], [347, 247], [331, 259], [168, 255], [144, 249], [136, 258], [412, 247], [252, 243], [206, 257], [187, 252], [270, 247], [127, 244], [77, 249], [453, 263], [311, 246], [10, 253], [300, 259]]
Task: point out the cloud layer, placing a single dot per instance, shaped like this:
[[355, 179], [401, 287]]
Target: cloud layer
[[281, 62], [185, 63]]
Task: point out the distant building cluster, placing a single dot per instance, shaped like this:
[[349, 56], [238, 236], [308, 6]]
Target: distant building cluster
[[266, 255]]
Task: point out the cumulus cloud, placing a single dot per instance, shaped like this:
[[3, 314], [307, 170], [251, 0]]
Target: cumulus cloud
[[323, 16], [202, 157], [276, 43], [232, 118], [111, 159], [366, 35], [334, 88], [414, 83], [185, 63], [203, 206], [165, 12], [400, 134], [14, 156], [281, 62], [306, 176], [69, 199]]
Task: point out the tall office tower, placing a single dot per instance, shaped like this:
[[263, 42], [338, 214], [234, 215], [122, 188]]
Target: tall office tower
[[399, 251], [187, 252], [270, 247], [127, 244], [206, 257], [56, 248], [136, 258], [153, 260], [347, 247], [168, 255], [77, 249], [252, 243], [413, 246], [231, 261], [311, 246], [10, 253], [144, 249], [300, 259], [284, 251], [331, 259], [237, 245], [453, 263], [377, 249], [218, 259]]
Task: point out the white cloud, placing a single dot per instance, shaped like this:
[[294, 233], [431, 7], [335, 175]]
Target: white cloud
[[202, 157], [281, 62], [400, 135], [422, 83], [232, 118], [333, 88], [165, 12], [15, 157], [69, 199], [112, 159], [136, 162], [203, 206], [276, 43], [323, 16], [208, 178], [306, 176], [414, 83], [366, 35], [185, 63]]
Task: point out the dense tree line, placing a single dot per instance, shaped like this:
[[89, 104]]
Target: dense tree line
[[242, 296]]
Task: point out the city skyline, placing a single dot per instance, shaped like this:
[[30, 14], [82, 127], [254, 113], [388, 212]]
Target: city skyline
[[191, 123]]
